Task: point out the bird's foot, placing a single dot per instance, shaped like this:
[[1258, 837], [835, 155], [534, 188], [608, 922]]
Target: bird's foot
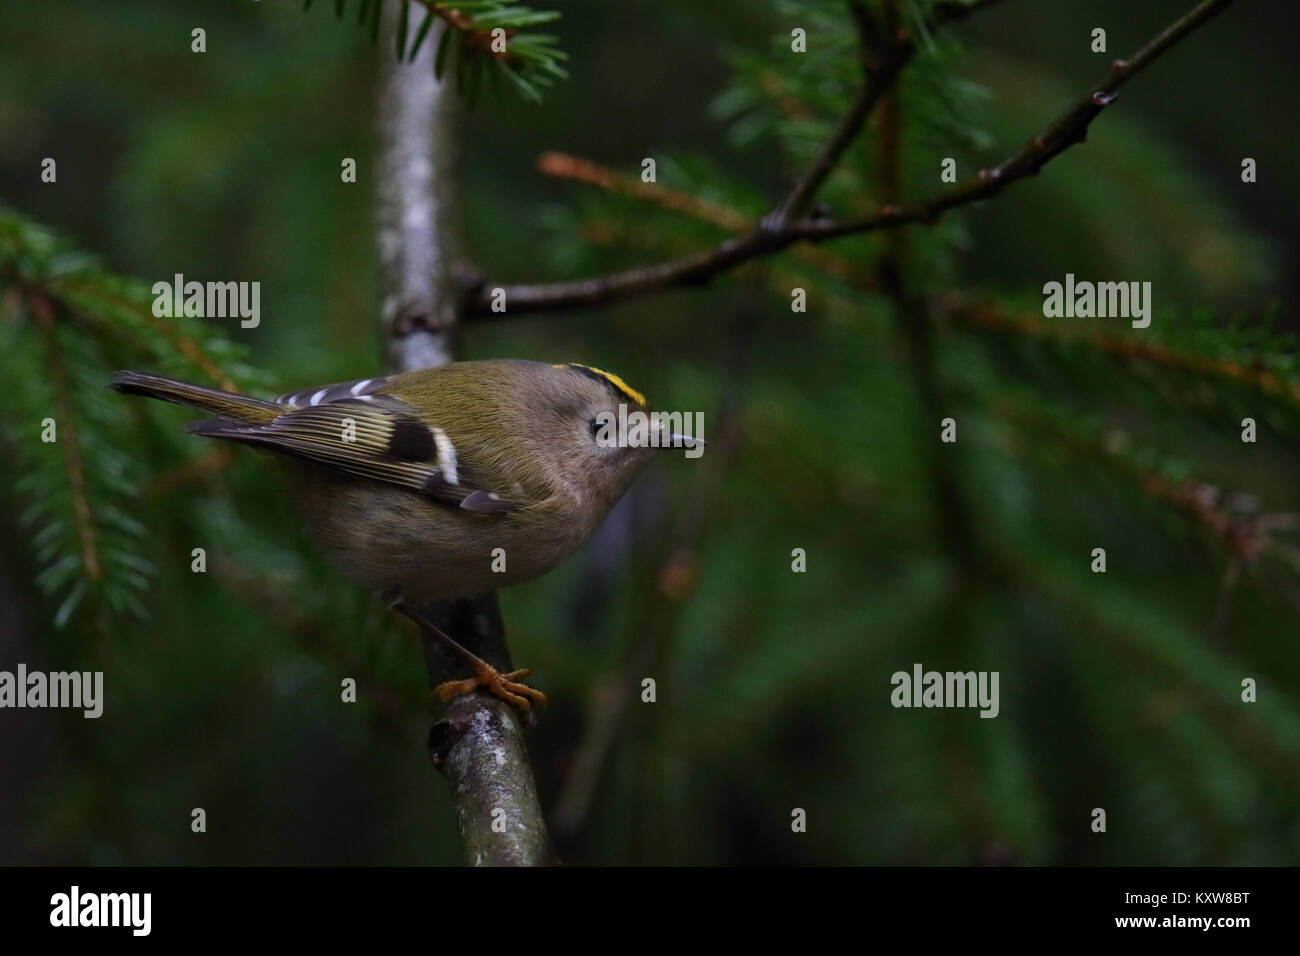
[[506, 686]]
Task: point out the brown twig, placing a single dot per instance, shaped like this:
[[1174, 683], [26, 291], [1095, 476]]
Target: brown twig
[[479, 41], [1069, 128], [778, 231], [565, 166]]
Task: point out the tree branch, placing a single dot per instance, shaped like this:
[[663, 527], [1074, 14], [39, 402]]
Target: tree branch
[[1250, 370], [774, 234], [71, 444], [564, 166], [1245, 535], [883, 58], [478, 743], [477, 40], [1069, 128], [415, 211], [882, 61]]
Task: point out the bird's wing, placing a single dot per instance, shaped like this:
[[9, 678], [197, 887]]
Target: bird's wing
[[342, 391], [347, 427]]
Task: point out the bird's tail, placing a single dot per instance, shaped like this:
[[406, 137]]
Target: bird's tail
[[225, 404]]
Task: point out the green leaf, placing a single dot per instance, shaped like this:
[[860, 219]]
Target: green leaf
[[70, 605], [420, 34], [536, 61]]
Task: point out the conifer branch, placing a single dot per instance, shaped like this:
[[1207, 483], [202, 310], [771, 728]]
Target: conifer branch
[[1251, 370], [1243, 536], [77, 287], [565, 166], [65, 317], [882, 60], [43, 311], [883, 53], [471, 32], [477, 39], [776, 232]]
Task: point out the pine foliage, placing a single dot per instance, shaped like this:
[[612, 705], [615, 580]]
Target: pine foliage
[[495, 38]]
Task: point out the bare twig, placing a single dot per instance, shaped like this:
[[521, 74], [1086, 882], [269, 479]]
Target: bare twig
[[1069, 128], [776, 233], [478, 743], [564, 166]]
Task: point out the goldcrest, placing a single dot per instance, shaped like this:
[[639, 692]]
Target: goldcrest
[[411, 483]]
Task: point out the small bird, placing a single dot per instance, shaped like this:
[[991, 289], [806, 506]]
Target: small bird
[[410, 483]]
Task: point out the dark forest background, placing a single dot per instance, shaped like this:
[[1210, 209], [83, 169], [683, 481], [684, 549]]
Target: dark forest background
[[1119, 690]]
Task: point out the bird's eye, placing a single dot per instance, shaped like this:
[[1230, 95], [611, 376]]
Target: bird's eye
[[595, 425]]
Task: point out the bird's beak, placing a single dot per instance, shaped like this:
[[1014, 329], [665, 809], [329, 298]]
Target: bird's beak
[[684, 441], [694, 444]]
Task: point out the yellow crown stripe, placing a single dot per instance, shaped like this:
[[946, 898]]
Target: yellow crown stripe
[[613, 379]]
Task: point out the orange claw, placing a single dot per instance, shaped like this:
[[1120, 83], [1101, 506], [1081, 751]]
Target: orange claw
[[506, 686]]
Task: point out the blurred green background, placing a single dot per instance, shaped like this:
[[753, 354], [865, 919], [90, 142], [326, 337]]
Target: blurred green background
[[1119, 691]]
